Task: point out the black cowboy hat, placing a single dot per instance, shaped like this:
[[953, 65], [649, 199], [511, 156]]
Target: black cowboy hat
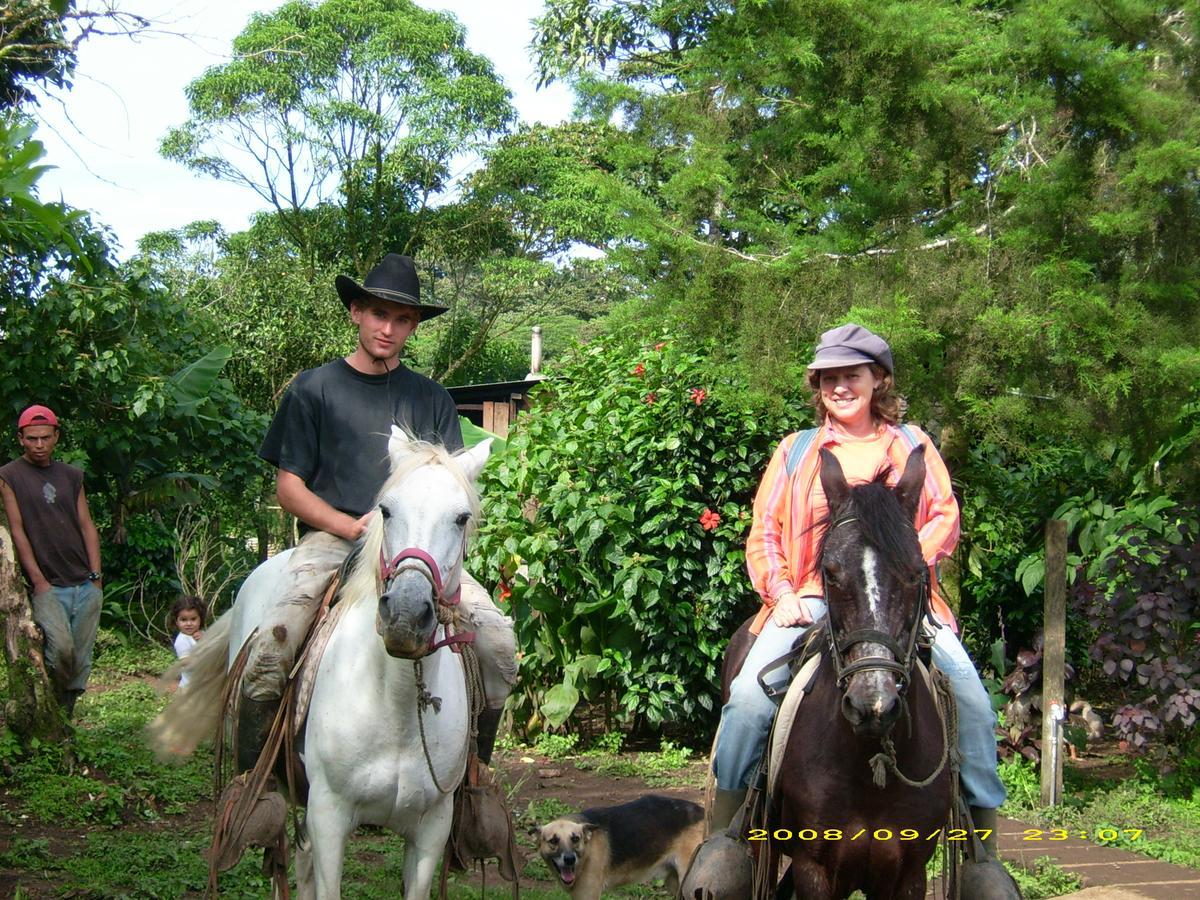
[[395, 280]]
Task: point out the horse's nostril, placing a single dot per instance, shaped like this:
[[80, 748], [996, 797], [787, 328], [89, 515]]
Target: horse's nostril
[[851, 710], [428, 618]]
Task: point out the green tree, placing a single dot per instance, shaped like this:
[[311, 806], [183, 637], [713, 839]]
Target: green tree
[[39, 40], [1013, 182], [343, 116]]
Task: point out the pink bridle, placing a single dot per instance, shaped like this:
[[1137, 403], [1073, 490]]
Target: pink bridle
[[388, 570]]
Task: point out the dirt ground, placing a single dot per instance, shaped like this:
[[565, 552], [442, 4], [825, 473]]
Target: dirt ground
[[538, 788]]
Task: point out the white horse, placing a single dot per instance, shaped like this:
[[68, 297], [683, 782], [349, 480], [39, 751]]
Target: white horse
[[362, 748]]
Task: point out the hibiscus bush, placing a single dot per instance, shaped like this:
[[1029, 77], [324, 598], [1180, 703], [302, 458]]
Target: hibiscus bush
[[615, 523]]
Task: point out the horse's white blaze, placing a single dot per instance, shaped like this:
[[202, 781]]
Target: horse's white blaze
[[871, 580]]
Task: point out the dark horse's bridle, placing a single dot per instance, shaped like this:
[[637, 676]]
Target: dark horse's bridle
[[902, 663]]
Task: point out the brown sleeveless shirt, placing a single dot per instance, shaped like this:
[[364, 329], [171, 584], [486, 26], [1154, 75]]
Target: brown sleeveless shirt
[[48, 497]]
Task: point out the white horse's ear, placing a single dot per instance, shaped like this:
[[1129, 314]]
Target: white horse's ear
[[398, 445], [472, 460]]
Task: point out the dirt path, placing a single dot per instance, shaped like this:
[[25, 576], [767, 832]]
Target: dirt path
[[1127, 876], [540, 788]]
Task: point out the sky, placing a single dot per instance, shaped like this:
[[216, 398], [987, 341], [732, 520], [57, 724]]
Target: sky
[[103, 134]]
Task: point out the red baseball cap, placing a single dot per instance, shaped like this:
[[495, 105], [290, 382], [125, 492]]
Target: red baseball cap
[[37, 415]]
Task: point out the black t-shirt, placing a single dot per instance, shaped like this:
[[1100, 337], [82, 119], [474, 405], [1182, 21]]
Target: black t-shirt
[[332, 428]]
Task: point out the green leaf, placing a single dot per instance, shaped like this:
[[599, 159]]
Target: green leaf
[[560, 701]]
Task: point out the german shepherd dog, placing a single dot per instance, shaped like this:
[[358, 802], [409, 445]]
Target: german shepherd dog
[[607, 846]]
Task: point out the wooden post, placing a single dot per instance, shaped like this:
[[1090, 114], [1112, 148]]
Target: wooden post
[[1054, 649]]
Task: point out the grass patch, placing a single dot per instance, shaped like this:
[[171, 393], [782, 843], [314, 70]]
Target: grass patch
[[660, 769], [116, 654], [1046, 879], [556, 746], [108, 775], [1170, 825]]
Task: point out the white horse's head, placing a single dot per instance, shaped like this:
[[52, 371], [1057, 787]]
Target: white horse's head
[[412, 554]]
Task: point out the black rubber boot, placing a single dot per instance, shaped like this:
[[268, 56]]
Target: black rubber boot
[[726, 806], [985, 820], [254, 723], [489, 722]]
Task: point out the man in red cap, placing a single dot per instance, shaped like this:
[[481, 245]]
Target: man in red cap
[[59, 549]]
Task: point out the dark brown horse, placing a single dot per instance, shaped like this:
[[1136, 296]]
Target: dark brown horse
[[842, 831]]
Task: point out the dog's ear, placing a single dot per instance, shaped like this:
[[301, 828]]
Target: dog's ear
[[535, 831], [589, 828]]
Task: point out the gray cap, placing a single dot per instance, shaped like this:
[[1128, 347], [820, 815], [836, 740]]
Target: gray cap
[[851, 345]]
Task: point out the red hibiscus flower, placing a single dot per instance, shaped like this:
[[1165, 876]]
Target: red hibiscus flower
[[639, 370], [698, 395], [709, 520], [650, 397], [505, 591]]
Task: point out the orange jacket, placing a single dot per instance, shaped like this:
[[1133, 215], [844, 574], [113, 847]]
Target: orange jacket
[[782, 547]]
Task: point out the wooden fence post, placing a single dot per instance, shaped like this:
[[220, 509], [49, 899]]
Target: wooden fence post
[[1054, 650]]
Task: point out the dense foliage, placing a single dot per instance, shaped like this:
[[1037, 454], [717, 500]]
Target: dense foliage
[[134, 375], [1017, 179], [616, 521]]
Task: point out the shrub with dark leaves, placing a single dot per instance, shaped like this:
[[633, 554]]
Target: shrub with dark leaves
[[1144, 605]]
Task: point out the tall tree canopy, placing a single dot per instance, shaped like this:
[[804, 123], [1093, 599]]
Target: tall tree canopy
[[344, 117], [1007, 189]]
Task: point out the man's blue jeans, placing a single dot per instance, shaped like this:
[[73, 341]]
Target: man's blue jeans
[[69, 617], [746, 718]]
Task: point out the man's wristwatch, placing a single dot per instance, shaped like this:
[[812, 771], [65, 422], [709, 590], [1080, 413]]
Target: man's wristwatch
[[93, 576]]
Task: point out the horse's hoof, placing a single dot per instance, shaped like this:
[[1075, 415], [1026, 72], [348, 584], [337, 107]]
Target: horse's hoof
[[987, 880], [722, 869]]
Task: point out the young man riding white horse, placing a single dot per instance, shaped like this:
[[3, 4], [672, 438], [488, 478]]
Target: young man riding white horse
[[329, 445]]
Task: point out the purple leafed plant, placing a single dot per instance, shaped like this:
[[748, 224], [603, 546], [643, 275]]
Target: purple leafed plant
[[1144, 606]]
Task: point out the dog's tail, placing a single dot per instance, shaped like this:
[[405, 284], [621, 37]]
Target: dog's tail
[[194, 711]]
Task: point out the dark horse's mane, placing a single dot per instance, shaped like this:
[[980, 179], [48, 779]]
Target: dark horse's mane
[[881, 521]]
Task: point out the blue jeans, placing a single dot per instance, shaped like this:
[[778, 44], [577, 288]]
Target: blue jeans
[[746, 718], [69, 617]]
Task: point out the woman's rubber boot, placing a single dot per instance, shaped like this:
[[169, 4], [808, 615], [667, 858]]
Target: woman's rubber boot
[[722, 867], [985, 820], [726, 805], [984, 877]]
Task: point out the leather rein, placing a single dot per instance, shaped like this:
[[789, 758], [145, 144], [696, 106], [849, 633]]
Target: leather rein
[[445, 602]]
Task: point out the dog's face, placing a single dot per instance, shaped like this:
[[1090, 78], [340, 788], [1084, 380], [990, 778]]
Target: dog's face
[[563, 845]]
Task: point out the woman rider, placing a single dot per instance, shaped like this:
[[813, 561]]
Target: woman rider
[[851, 376]]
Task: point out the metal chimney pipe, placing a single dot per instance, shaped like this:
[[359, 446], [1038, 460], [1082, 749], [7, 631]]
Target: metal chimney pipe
[[535, 354]]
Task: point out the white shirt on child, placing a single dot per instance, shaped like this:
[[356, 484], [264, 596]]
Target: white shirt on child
[[183, 646]]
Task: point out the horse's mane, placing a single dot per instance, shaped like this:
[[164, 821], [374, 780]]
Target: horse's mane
[[881, 522], [363, 580]]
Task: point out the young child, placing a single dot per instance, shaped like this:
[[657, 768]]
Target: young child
[[187, 614]]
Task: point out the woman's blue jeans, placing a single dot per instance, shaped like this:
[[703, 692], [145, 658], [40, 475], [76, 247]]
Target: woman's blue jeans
[[746, 718]]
